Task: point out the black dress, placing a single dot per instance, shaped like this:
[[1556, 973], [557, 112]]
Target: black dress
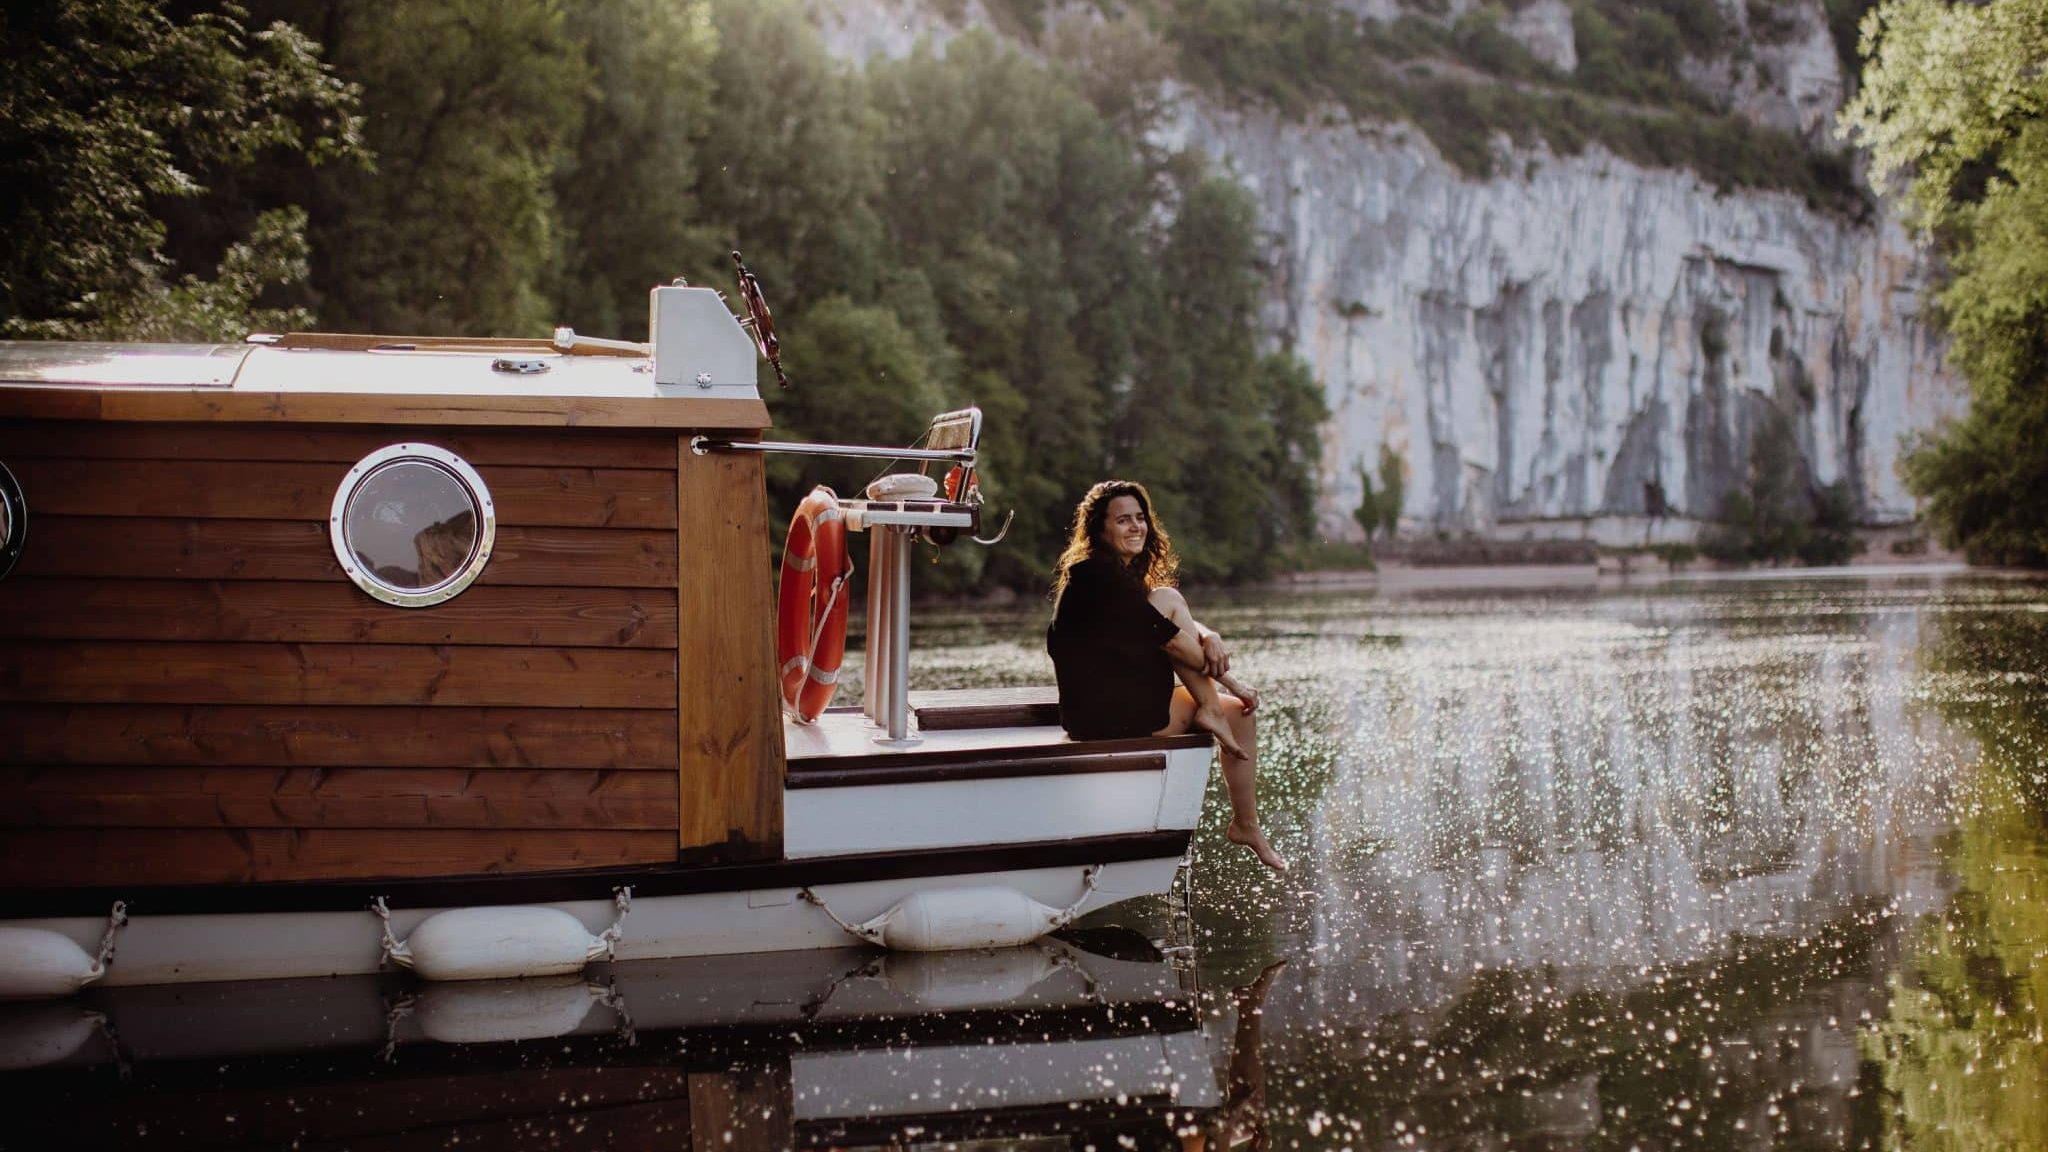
[[1106, 642]]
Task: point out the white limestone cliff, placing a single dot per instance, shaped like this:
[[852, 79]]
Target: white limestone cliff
[[1544, 345], [1551, 349]]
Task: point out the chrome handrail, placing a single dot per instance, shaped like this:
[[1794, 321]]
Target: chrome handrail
[[701, 445]]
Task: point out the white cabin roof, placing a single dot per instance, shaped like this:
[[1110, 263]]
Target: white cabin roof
[[365, 378]]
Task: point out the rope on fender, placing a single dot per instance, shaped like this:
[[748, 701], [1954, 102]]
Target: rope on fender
[[871, 935], [607, 941], [117, 918], [391, 949], [1088, 880]]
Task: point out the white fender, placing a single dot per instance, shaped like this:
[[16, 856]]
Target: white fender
[[500, 943], [948, 919], [500, 1010], [944, 981], [37, 964], [34, 1035], [497, 943]]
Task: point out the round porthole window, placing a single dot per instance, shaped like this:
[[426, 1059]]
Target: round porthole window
[[13, 521], [412, 524]]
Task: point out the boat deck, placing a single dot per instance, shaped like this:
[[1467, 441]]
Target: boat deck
[[953, 725]]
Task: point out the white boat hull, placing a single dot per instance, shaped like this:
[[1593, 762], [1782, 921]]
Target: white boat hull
[[827, 827]]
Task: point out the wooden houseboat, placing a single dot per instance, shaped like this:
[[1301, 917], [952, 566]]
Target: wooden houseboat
[[320, 652]]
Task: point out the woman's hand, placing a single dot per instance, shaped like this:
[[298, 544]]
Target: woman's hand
[[1215, 655]]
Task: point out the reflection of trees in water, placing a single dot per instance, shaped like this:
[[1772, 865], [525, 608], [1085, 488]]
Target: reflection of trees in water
[[1965, 1062], [442, 550], [1597, 884], [1598, 798]]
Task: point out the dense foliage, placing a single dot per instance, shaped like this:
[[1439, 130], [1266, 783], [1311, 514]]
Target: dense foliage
[[112, 109], [1954, 109], [976, 226]]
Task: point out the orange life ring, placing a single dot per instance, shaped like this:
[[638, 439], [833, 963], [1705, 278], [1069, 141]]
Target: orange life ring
[[810, 618]]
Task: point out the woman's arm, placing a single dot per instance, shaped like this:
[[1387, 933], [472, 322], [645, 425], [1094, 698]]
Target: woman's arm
[[1214, 655]]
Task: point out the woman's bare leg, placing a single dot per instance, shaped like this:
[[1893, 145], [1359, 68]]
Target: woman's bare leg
[[1234, 728]]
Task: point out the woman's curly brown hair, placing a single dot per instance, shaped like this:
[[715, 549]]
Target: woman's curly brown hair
[[1156, 567]]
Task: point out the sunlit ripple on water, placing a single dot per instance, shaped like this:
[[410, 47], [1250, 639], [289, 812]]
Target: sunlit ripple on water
[[1708, 866], [1599, 794]]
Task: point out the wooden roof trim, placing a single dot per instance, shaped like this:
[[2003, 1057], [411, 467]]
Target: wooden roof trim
[[358, 342], [57, 402]]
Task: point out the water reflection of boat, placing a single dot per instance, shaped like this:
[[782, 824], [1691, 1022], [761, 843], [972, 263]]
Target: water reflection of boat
[[480, 628], [816, 1048]]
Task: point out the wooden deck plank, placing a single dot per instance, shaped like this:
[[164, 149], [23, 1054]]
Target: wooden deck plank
[[956, 708], [842, 739]]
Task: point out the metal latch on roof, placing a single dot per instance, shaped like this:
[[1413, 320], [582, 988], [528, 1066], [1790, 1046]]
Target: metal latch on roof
[[520, 366]]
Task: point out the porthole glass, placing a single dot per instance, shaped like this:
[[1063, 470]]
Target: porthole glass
[[412, 524], [13, 521]]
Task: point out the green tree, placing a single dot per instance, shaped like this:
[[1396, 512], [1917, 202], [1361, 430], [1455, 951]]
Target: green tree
[[470, 106], [622, 191], [1368, 511], [1952, 110], [223, 309], [110, 110], [1393, 489]]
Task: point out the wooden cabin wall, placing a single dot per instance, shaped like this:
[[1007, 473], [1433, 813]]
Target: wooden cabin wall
[[191, 691]]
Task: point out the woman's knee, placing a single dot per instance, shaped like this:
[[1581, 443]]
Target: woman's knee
[[1169, 601]]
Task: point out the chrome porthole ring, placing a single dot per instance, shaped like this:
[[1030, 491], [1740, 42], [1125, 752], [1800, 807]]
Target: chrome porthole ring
[[13, 521], [412, 524]]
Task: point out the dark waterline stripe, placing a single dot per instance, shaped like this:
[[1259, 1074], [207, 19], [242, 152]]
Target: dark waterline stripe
[[592, 883]]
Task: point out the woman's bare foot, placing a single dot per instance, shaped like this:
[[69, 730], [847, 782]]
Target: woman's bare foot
[[1255, 992], [1215, 723], [1255, 840]]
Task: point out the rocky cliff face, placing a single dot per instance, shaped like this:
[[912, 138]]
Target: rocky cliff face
[[1557, 349], [1557, 343]]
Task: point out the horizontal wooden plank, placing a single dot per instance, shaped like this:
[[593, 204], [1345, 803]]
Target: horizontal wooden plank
[[952, 709], [504, 738], [47, 402], [83, 440], [142, 548], [157, 797], [114, 672], [246, 490], [331, 612], [73, 858]]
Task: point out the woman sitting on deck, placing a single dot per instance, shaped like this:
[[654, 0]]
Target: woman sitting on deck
[[1121, 632]]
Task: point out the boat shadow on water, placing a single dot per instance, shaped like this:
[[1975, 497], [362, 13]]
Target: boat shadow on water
[[815, 1048]]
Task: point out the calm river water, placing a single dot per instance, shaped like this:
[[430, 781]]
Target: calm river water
[[1716, 864], [1719, 864]]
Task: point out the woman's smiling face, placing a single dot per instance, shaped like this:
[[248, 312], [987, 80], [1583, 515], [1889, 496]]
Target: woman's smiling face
[[1125, 529]]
